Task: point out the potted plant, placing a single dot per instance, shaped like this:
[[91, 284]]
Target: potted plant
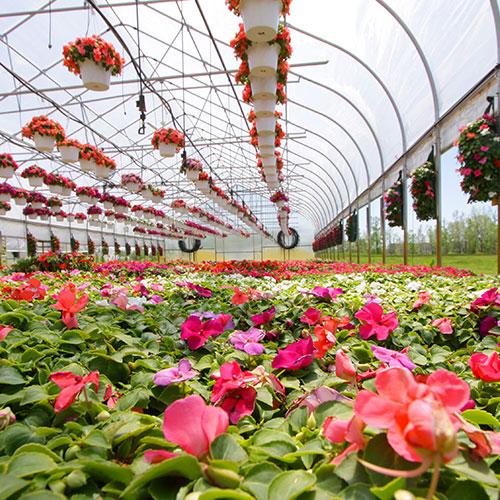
[[117, 248], [74, 243], [279, 198], [479, 155], [148, 213], [94, 59], [69, 150], [7, 166], [88, 194], [4, 207], [105, 167], [393, 199], [168, 141], [55, 204], [44, 131], [132, 182], [94, 211], [90, 246], [108, 200], [53, 182], [351, 227], [29, 211], [120, 204], [20, 196], [422, 189], [6, 191], [138, 210], [37, 200], [71, 217], [89, 157], [31, 244], [110, 215], [61, 215], [192, 168], [55, 243], [44, 213], [79, 217], [35, 175]]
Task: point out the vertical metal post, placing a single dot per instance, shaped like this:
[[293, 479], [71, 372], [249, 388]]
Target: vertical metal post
[[382, 222], [369, 231], [437, 188], [405, 212], [358, 231]]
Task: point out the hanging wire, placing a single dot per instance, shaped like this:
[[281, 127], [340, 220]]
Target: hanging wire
[[50, 25], [141, 102]]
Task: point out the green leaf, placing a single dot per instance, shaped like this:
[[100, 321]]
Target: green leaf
[[26, 464], [73, 337], [38, 448], [387, 492], [98, 439], [466, 490], [42, 495], [276, 449], [358, 492], [480, 417], [185, 466], [9, 485], [477, 471], [15, 436], [10, 376], [216, 493], [351, 471], [33, 394], [258, 477], [105, 471], [298, 418], [290, 484], [330, 409], [225, 447], [136, 398], [327, 484]]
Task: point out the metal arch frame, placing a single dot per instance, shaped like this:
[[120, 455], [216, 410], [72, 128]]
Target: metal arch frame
[[308, 214], [305, 206], [372, 72]]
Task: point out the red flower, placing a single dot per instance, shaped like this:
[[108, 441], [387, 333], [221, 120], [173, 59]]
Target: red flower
[[68, 305], [374, 322], [311, 316], [295, 356], [239, 297], [71, 386], [484, 367]]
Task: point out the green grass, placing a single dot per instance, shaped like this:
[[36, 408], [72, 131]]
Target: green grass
[[479, 264]]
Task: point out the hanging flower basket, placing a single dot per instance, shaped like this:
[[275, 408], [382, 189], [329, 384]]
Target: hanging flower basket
[[423, 191], [265, 126], [44, 132], [202, 185], [7, 166], [20, 197], [260, 18], [55, 204], [69, 150], [192, 168], [263, 87], [394, 204], [479, 155], [71, 218], [351, 227], [168, 141], [87, 194], [264, 108], [89, 157], [4, 207], [132, 182], [263, 59], [95, 59]]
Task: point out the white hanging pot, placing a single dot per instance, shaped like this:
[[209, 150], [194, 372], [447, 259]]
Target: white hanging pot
[[44, 217], [71, 218], [59, 218], [260, 18], [156, 198], [138, 213], [37, 205], [69, 154], [267, 141], [88, 165], [55, 188], [108, 205], [270, 171], [192, 175], [94, 76], [4, 196], [121, 209], [32, 216], [6, 172], [65, 191], [272, 182], [56, 210], [94, 217], [102, 172], [148, 215], [147, 194], [167, 150], [93, 222], [44, 142], [35, 181], [86, 199], [20, 201], [263, 87], [202, 185], [266, 151], [269, 162], [3, 211], [280, 203], [263, 59], [266, 126], [264, 108], [133, 186]]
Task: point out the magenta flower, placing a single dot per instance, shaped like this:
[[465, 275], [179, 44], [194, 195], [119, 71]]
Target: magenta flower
[[4, 330], [121, 300], [204, 292], [375, 322], [295, 356], [318, 396], [264, 318], [393, 358], [248, 341], [196, 333], [311, 316], [326, 293], [487, 324], [488, 298], [175, 375]]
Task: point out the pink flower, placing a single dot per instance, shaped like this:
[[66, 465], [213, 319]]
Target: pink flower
[[419, 417], [175, 375], [71, 386], [393, 358], [343, 366], [4, 330], [337, 430], [68, 305], [191, 424], [264, 318], [485, 148], [423, 298], [326, 293], [248, 341], [374, 322], [196, 333], [121, 300], [478, 172], [311, 316], [239, 297], [487, 368], [295, 356], [488, 298], [444, 325]]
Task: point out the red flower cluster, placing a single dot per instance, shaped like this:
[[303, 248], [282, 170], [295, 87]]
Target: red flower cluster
[[168, 135], [44, 126]]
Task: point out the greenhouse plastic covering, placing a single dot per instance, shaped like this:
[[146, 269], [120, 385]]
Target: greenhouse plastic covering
[[369, 82]]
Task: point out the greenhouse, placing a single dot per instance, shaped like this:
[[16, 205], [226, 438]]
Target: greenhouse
[[249, 249]]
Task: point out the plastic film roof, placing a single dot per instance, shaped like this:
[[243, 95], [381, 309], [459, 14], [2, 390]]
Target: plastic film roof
[[368, 82]]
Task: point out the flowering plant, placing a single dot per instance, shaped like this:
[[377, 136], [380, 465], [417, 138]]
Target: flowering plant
[[55, 243], [94, 210], [137, 249], [117, 247], [234, 6], [68, 143], [5, 205], [33, 171], [92, 48], [44, 211], [88, 191], [393, 198], [128, 250], [178, 203], [89, 152], [168, 135], [90, 246], [81, 217], [54, 201], [422, 189], [108, 162], [20, 193], [191, 164], [279, 196], [120, 201], [43, 125], [28, 210], [137, 208], [6, 188], [131, 179], [479, 155], [351, 227], [106, 197], [31, 244], [75, 244], [6, 161], [104, 247], [36, 198], [154, 190]]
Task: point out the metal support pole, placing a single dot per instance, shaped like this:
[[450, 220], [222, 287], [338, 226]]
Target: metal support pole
[[369, 231], [405, 213], [437, 186], [382, 223], [358, 231]]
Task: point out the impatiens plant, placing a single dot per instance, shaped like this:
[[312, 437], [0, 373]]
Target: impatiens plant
[[44, 126], [393, 199], [375, 322], [31, 244], [423, 189], [72, 385], [167, 136], [68, 304]]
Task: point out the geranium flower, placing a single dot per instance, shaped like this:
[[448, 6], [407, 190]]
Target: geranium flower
[[175, 375], [68, 305], [343, 366], [444, 325], [71, 386], [419, 417], [4, 330], [375, 322], [337, 430], [196, 333], [264, 318], [487, 368], [248, 341], [393, 358], [295, 356], [239, 297], [191, 424], [311, 316], [423, 298]]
